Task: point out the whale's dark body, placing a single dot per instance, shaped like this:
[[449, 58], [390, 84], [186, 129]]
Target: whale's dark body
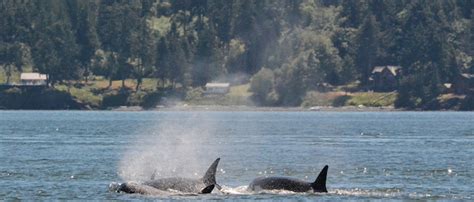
[[290, 184], [202, 185]]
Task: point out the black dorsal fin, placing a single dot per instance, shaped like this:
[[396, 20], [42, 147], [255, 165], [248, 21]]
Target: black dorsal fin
[[319, 185], [207, 189], [210, 176]]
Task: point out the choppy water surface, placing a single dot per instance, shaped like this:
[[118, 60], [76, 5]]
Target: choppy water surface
[[379, 155]]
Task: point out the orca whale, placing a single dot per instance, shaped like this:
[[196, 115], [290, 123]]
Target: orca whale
[[202, 185], [290, 184]]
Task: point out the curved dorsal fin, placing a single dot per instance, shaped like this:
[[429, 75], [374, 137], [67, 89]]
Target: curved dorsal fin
[[319, 185], [210, 176]]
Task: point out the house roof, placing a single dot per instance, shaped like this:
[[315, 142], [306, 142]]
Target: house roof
[[392, 69], [448, 85], [33, 76], [217, 85], [378, 69], [468, 76]]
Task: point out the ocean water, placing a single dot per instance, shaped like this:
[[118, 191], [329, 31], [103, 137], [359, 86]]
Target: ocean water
[[50, 155]]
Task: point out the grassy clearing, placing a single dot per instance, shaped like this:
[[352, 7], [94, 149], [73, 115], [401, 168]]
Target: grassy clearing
[[238, 95], [84, 95], [14, 78], [148, 84], [314, 98], [337, 99], [372, 99], [449, 96]]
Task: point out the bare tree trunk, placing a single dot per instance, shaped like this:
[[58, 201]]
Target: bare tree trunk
[[110, 82], [86, 76], [69, 87], [8, 73], [139, 83]]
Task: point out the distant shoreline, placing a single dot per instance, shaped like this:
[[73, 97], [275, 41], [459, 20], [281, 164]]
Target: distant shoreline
[[256, 108], [238, 99], [242, 108]]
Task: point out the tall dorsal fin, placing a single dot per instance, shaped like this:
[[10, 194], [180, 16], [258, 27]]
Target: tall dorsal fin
[[210, 176], [319, 185]]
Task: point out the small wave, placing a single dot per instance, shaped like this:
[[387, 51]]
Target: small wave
[[371, 134], [242, 190], [389, 192]]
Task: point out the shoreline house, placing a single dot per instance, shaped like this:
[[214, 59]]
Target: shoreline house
[[385, 78], [217, 88], [33, 79]]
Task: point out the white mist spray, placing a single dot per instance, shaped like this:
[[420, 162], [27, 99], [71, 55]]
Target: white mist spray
[[177, 146]]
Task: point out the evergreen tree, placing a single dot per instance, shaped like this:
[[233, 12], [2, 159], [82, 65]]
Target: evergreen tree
[[142, 51], [206, 63], [55, 49], [162, 64], [367, 42], [11, 57], [86, 37]]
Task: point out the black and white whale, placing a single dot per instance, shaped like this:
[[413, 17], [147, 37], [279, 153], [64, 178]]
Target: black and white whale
[[290, 184], [162, 186]]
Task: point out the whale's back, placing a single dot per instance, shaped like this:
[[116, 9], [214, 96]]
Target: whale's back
[[185, 185], [280, 183]]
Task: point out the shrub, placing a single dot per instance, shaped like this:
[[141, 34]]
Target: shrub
[[261, 85]]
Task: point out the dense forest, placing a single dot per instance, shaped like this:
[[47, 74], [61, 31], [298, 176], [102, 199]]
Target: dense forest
[[286, 48]]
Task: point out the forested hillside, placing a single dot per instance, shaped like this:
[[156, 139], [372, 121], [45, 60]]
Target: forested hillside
[[286, 48]]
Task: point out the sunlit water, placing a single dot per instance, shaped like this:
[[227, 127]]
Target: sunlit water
[[379, 155]]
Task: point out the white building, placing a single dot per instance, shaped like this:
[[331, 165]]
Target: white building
[[33, 79], [217, 88]]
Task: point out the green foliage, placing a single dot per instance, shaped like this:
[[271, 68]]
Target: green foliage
[[372, 99], [84, 94], [37, 98], [12, 57], [150, 100], [366, 52], [468, 103], [315, 98], [238, 95], [337, 99], [115, 100], [261, 85], [194, 94], [289, 84], [308, 45]]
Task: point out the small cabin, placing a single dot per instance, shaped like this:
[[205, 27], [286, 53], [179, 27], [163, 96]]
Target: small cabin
[[33, 79], [447, 88], [217, 88], [385, 78]]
